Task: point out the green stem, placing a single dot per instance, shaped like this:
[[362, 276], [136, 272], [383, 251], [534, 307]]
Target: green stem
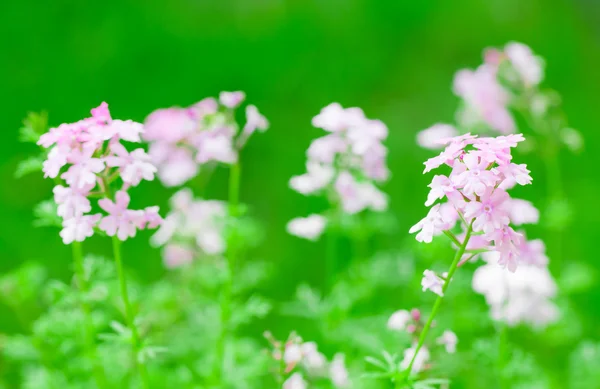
[[438, 301], [230, 260], [90, 333], [502, 354], [331, 258], [129, 314]]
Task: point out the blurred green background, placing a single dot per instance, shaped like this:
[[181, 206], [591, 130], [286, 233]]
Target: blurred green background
[[395, 59]]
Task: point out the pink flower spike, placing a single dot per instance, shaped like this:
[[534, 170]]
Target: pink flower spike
[[432, 282], [232, 99], [120, 221], [78, 228], [101, 113]]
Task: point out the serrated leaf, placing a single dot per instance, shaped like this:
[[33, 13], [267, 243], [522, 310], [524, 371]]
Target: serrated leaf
[[30, 165]]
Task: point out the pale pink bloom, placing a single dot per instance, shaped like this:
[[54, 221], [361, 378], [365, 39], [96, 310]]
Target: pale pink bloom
[[513, 174], [211, 241], [490, 213], [170, 125], [338, 373], [447, 156], [217, 148], [57, 158], [449, 216], [332, 118], [120, 220], [399, 320], [310, 227], [317, 176], [84, 169], [313, 360], [507, 243], [486, 98], [429, 138], [182, 200], [440, 186], [254, 121], [295, 382], [358, 196], [101, 113], [529, 66], [522, 212], [71, 202], [429, 226], [292, 354], [150, 218], [176, 255], [325, 148], [374, 164], [365, 135], [206, 106], [135, 166], [127, 130], [432, 282], [78, 228], [477, 178], [449, 341], [232, 99], [167, 230], [533, 252], [420, 360], [175, 165]]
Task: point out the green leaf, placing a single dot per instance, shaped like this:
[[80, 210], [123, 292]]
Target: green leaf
[[30, 165], [34, 125], [45, 214]]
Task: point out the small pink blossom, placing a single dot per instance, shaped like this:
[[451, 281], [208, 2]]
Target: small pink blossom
[[84, 170], [134, 166], [421, 359], [449, 341], [357, 196], [254, 121], [71, 202], [325, 149], [513, 174], [490, 213], [217, 148], [78, 228], [310, 227], [295, 382], [522, 212], [232, 99], [529, 66], [338, 373], [120, 220], [176, 255], [432, 282], [429, 226]]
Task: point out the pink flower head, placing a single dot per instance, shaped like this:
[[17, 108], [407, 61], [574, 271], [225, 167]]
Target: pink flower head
[[477, 178], [432, 282]]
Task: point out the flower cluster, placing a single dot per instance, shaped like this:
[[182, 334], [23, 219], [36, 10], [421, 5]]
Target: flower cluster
[[344, 164], [305, 355], [476, 190], [411, 323], [515, 298], [193, 227], [89, 157], [183, 139], [489, 91]]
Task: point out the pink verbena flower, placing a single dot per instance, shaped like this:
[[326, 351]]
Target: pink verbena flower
[[432, 282], [120, 221], [134, 166], [78, 227], [182, 140]]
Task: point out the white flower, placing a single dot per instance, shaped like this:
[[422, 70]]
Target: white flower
[[449, 340], [420, 361], [295, 382], [338, 372], [399, 320], [310, 227], [432, 282]]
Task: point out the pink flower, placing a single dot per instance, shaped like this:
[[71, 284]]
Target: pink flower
[[231, 99], [477, 178], [135, 166], [529, 66], [432, 282], [316, 178], [175, 165], [84, 169], [295, 382], [325, 149], [120, 221], [101, 113], [522, 212], [430, 137], [421, 359], [513, 174], [310, 227], [338, 372], [254, 121], [332, 118], [57, 158], [169, 125], [356, 196], [533, 252], [490, 213], [150, 218], [78, 228], [449, 341], [507, 243], [71, 202], [429, 226], [176, 255], [399, 320], [440, 186], [216, 148], [127, 130]]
